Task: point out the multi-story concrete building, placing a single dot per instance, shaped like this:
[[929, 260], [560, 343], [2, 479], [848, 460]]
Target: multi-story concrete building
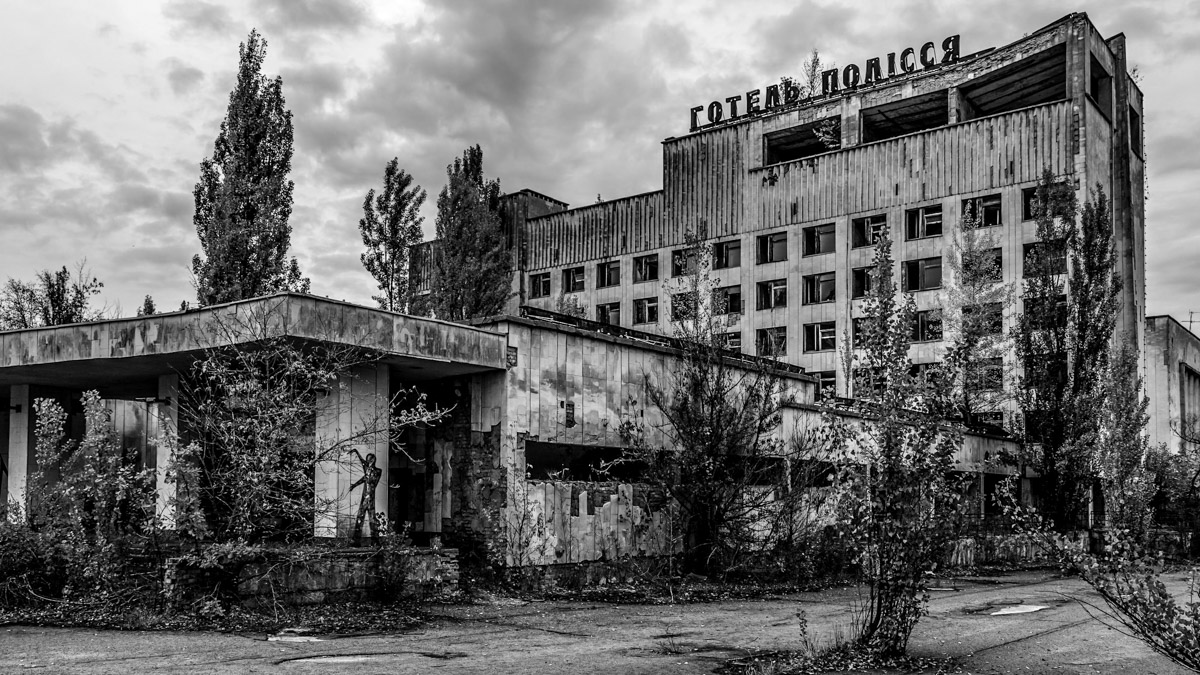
[[788, 192], [1171, 367]]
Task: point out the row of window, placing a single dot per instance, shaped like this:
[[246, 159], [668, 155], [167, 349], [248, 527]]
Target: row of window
[[917, 275], [987, 376]]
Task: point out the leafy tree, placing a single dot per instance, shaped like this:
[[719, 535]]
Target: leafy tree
[[1063, 341], [244, 465], [472, 268], [895, 468], [719, 416], [391, 223], [52, 299], [244, 199], [1128, 479], [147, 307], [976, 299]]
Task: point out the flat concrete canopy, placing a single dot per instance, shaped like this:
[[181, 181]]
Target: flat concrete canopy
[[106, 354]]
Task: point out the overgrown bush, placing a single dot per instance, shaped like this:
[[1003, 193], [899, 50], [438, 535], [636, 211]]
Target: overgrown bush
[[31, 566]]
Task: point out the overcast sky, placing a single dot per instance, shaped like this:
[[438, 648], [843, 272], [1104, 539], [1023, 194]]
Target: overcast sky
[[108, 106]]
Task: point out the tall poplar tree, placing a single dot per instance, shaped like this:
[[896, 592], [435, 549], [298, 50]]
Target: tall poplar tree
[[244, 199], [472, 269], [391, 223], [1064, 345]]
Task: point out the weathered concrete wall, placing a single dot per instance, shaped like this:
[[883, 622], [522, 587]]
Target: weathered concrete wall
[[1171, 367]]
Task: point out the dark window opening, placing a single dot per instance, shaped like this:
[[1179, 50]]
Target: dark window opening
[[1029, 203], [772, 248], [645, 268], [1045, 258], [727, 254], [923, 222], [771, 341], [860, 282], [1135, 132], [820, 337], [923, 275], [984, 319], [573, 280], [819, 239], [987, 265], [906, 116], [819, 288], [727, 300], [1034, 80], [539, 285], [986, 375], [731, 340], [826, 383], [1047, 313], [684, 306], [799, 142], [683, 262], [1100, 88], [927, 326], [868, 230], [772, 294], [562, 461], [645, 310], [857, 335], [609, 313], [608, 274], [981, 212]]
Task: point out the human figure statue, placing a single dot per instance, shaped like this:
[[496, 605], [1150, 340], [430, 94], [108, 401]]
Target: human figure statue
[[366, 505]]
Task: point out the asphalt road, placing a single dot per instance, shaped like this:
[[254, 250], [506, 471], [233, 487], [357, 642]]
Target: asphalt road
[[555, 637]]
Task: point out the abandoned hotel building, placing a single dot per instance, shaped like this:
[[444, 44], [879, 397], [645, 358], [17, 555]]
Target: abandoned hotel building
[[907, 142]]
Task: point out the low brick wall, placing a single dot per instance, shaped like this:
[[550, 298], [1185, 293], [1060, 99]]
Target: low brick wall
[[337, 575]]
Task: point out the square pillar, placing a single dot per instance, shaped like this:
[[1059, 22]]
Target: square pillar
[[20, 433], [353, 422], [168, 431]]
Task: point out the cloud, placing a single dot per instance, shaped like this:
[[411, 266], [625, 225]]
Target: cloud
[[195, 17], [23, 146], [182, 77], [286, 16]]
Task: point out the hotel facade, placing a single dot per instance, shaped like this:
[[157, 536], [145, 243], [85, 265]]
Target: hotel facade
[[788, 193]]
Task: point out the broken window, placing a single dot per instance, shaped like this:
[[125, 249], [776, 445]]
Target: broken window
[[573, 280], [927, 326], [727, 254], [608, 274], [539, 285], [771, 341], [683, 262], [860, 282], [981, 212], [867, 230], [727, 300], [772, 248], [645, 310], [802, 141], [772, 294], [922, 275], [923, 222], [1045, 258], [645, 268], [819, 288], [609, 313], [820, 337], [819, 239]]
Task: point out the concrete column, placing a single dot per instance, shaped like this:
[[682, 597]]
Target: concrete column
[[352, 417], [168, 431], [20, 431]]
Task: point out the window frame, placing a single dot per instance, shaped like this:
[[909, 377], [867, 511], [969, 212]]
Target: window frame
[[861, 282], [726, 293], [767, 244], [922, 329], [775, 336], [642, 309], [574, 279], [811, 238], [817, 282], [921, 266], [684, 261], [994, 205], [535, 285], [771, 294], [608, 274], [721, 251], [917, 222], [605, 311], [817, 334], [641, 264], [860, 237]]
